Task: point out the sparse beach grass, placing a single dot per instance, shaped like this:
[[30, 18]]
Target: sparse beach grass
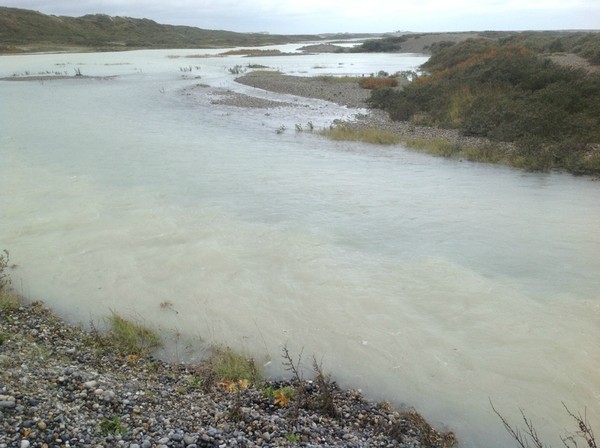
[[131, 338], [228, 365], [365, 135]]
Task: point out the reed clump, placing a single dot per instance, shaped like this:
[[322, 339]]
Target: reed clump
[[366, 135], [131, 338]]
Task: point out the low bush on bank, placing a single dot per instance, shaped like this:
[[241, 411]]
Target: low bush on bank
[[377, 83], [506, 93], [385, 45]]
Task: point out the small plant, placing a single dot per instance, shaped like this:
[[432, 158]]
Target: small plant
[[228, 365], [324, 401], [283, 396], [195, 382], [292, 437], [310, 126], [78, 72], [299, 127], [236, 70], [113, 426], [281, 129], [522, 437], [8, 302], [4, 277], [131, 338]]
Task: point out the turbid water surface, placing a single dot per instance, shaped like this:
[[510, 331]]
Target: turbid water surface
[[432, 283]]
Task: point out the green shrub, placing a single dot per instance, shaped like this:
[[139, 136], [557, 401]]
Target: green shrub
[[385, 45], [377, 83], [507, 93]]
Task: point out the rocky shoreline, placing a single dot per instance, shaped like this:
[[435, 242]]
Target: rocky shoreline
[[60, 386]]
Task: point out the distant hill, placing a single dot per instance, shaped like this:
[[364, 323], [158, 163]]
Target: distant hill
[[26, 30]]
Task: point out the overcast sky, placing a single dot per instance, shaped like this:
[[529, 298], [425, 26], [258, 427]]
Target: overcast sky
[[319, 16]]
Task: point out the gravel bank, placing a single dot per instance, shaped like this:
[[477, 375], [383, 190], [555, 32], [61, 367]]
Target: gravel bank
[[345, 93], [351, 95], [59, 387]]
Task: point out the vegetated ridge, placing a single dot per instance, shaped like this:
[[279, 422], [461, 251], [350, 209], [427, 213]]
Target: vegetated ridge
[[517, 88], [23, 30]]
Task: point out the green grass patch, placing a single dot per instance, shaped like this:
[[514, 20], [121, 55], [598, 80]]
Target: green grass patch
[[131, 338], [8, 301], [228, 365], [365, 135], [113, 426]]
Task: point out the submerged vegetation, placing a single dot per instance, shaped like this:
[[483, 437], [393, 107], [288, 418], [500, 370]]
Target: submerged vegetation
[[506, 92]]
